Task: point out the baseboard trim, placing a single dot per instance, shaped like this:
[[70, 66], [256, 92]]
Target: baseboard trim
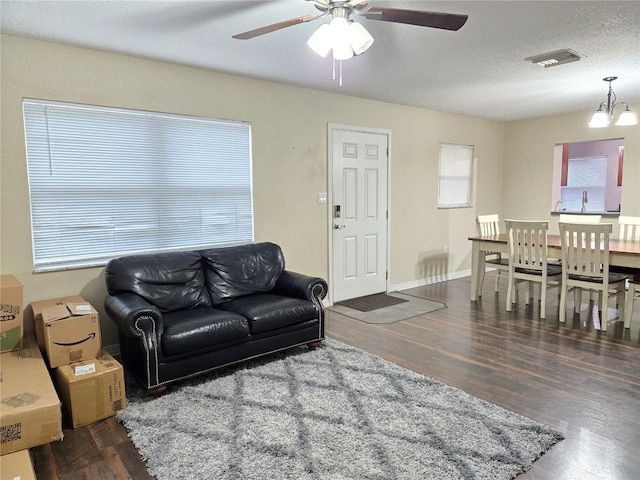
[[428, 281], [419, 283]]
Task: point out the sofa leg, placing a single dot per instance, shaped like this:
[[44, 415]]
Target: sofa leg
[[315, 344], [157, 391]]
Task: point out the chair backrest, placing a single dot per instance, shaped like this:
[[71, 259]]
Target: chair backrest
[[585, 249], [629, 228], [569, 218], [488, 224], [527, 242]]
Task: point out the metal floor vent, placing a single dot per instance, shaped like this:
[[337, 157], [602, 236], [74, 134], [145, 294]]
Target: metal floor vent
[[557, 57]]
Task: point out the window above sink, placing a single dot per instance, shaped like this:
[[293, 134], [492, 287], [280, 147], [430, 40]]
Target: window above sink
[[588, 177]]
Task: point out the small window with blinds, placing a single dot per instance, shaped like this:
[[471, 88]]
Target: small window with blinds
[[454, 177], [586, 186], [106, 182]]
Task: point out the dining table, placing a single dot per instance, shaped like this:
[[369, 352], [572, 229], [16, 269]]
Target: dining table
[[622, 253]]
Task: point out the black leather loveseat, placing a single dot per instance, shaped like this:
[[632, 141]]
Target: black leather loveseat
[[185, 313]]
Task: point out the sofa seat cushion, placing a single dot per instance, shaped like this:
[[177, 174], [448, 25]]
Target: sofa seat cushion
[[191, 330], [267, 312]]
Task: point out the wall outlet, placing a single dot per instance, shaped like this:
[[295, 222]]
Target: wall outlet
[[322, 198], [445, 249]]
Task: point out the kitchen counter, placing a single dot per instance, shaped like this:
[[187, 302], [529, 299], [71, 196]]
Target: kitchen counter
[[604, 214]]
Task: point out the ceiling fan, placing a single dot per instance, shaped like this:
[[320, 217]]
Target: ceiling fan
[[346, 37]]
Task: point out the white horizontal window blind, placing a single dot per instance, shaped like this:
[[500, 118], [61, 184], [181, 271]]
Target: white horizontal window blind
[[585, 174], [454, 179], [106, 182]]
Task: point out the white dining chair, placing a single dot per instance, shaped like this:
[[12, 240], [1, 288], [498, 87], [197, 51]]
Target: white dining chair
[[575, 218], [631, 295], [527, 243], [490, 225], [585, 265], [629, 230]]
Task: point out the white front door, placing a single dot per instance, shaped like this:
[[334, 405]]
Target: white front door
[[358, 211]]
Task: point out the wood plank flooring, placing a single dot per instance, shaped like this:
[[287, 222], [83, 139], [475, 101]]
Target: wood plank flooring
[[572, 377]]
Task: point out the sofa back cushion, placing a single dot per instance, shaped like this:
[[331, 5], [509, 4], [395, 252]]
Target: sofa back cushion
[[232, 272], [170, 281]]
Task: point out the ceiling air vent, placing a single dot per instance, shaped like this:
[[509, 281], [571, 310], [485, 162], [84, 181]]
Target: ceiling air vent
[[558, 57]]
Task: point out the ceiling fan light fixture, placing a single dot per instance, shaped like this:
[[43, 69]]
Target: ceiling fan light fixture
[[344, 37], [320, 42], [342, 51], [339, 30], [360, 38]]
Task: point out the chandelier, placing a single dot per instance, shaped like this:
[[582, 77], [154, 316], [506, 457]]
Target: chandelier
[[604, 115]]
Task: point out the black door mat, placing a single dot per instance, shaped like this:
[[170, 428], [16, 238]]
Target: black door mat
[[372, 302]]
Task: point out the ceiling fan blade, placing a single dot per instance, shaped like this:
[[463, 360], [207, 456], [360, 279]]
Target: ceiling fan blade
[[276, 26], [445, 21]]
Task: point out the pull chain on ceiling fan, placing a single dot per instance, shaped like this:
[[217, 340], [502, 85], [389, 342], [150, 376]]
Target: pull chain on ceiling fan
[[347, 38]]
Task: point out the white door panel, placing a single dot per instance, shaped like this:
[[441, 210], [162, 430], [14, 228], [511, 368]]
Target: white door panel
[[359, 213]]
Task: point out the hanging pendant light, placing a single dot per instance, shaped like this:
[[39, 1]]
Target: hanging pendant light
[[604, 115]]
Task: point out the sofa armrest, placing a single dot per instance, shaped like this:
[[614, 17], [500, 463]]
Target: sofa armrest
[[292, 284], [135, 317], [140, 327]]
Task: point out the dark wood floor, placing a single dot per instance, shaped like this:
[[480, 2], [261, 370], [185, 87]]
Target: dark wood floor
[[581, 381]]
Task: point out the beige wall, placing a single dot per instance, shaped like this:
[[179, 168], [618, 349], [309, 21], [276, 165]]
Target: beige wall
[[289, 128], [529, 156]]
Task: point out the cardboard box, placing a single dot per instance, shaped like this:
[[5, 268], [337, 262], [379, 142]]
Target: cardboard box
[[40, 305], [70, 338], [30, 412], [17, 465], [89, 397], [11, 322]]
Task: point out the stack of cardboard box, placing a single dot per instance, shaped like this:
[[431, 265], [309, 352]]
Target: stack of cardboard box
[[30, 413], [90, 382], [11, 323], [18, 465]]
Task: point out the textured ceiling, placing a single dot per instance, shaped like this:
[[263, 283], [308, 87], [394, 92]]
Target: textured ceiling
[[479, 70]]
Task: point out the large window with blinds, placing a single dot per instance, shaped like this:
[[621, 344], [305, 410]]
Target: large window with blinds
[[106, 182]]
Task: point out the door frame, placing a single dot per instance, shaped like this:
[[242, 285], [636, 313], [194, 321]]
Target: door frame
[[331, 127]]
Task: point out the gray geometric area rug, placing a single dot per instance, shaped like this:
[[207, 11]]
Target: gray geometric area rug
[[333, 413], [409, 307]]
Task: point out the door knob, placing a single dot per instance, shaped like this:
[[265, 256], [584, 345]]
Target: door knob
[[337, 226]]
